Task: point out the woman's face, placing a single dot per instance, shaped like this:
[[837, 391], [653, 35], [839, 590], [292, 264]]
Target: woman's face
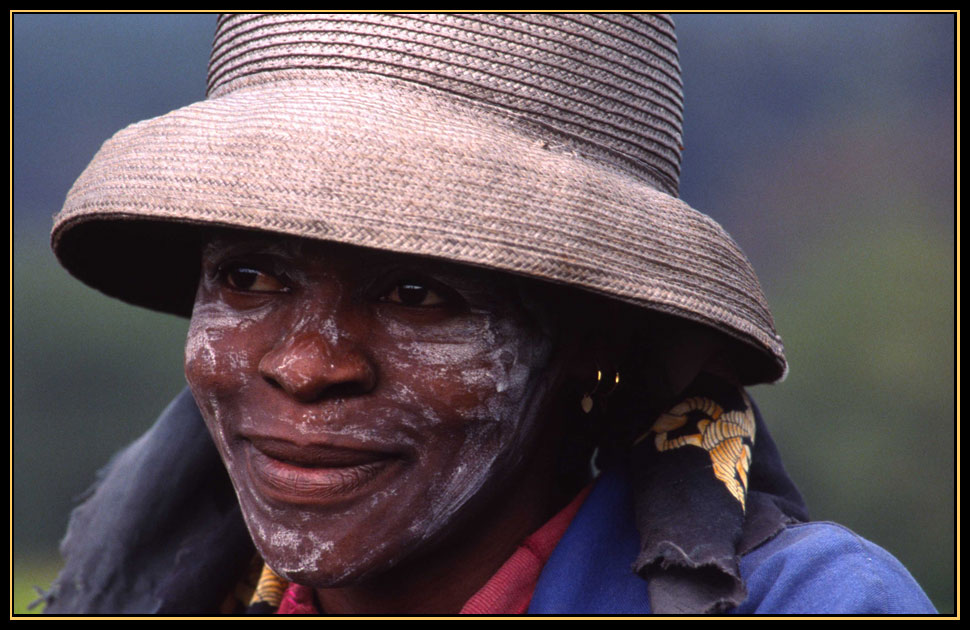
[[363, 402]]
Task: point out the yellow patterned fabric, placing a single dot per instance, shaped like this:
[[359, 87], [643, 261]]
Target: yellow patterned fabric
[[727, 436], [269, 589]]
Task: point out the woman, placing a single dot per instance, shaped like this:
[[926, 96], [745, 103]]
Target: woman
[[395, 345]]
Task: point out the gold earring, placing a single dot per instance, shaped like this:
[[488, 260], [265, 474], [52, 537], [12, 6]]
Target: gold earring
[[616, 383], [587, 402]]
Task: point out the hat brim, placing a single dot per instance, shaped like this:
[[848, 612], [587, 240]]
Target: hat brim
[[398, 167]]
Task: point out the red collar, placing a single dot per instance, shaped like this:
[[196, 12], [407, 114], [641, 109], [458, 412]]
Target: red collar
[[508, 592]]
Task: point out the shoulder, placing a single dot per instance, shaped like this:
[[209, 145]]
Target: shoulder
[[824, 568]]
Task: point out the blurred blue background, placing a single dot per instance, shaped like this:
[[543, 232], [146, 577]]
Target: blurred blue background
[[823, 143]]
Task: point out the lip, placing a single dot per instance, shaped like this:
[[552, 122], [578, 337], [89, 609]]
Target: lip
[[315, 474]]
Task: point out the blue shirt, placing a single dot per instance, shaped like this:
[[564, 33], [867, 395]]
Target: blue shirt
[[810, 568]]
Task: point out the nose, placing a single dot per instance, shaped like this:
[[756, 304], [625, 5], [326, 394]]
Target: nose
[[309, 368]]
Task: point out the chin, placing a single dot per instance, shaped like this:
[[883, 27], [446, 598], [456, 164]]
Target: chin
[[327, 575], [308, 559]]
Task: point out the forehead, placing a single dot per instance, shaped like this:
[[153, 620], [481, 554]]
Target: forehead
[[314, 252]]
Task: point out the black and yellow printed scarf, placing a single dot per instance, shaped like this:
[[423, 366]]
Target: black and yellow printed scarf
[[709, 487]]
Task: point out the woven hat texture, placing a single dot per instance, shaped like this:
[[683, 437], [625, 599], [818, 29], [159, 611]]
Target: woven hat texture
[[544, 145]]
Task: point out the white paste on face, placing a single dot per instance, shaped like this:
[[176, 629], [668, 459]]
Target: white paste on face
[[500, 363]]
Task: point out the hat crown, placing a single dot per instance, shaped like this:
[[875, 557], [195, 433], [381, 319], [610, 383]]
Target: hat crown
[[609, 85]]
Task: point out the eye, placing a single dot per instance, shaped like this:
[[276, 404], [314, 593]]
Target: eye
[[243, 278], [414, 294]]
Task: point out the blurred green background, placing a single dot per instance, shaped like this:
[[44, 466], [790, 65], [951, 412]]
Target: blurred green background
[[823, 143]]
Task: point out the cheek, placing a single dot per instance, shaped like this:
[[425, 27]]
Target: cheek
[[220, 360], [513, 363], [514, 380], [474, 372], [488, 391]]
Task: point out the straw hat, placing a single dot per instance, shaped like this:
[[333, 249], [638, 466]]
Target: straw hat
[[543, 145]]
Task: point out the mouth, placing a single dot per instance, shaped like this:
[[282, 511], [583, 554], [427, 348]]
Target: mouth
[[316, 474]]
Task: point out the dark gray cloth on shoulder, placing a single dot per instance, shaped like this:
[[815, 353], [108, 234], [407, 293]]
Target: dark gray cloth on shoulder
[[135, 546]]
